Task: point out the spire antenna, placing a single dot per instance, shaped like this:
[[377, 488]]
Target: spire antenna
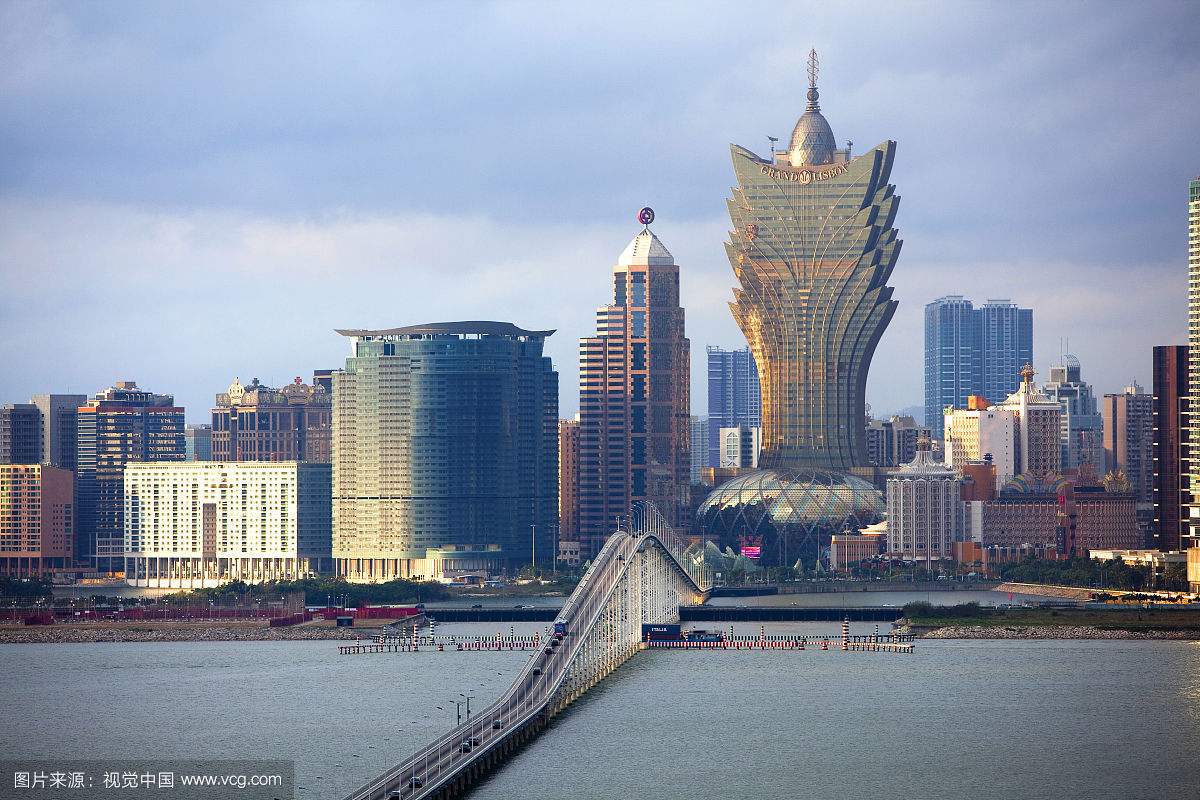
[[814, 66]]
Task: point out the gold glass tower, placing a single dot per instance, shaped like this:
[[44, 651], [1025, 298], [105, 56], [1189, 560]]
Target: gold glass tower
[[813, 245]]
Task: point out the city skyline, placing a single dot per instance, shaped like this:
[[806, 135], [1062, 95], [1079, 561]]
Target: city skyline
[[172, 211]]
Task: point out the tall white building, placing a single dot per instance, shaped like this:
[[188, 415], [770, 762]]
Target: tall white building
[[192, 525], [1038, 429], [925, 509], [976, 434]]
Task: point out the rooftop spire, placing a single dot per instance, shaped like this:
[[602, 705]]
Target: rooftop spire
[[814, 66]]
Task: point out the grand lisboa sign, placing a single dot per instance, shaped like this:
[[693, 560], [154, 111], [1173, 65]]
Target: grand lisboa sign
[[804, 176]]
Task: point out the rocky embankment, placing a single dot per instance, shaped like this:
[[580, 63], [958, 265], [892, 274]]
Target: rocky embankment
[[1050, 632], [80, 634]]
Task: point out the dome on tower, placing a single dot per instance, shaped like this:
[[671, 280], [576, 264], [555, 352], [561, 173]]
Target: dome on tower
[[812, 138]]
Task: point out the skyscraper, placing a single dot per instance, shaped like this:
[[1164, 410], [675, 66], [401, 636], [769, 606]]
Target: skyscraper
[[634, 420], [120, 425], [20, 434], [1129, 438], [953, 359], [734, 398], [1171, 449], [1082, 426], [812, 245], [973, 351], [60, 428], [1005, 344], [1192, 481], [568, 480], [259, 423], [445, 439]]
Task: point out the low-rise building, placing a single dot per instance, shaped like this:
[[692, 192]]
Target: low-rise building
[[849, 549], [37, 518], [1141, 558], [191, 525], [1057, 512]]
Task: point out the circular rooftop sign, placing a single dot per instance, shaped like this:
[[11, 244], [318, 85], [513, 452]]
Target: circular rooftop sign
[[646, 215]]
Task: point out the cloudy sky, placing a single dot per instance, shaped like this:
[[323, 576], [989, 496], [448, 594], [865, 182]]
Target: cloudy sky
[[195, 191]]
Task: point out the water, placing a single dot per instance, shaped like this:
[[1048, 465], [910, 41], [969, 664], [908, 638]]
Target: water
[[994, 719]]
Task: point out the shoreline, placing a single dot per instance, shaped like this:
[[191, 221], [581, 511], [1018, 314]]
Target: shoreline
[[180, 632], [1048, 632]]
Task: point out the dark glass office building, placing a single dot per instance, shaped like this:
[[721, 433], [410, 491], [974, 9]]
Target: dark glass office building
[[445, 441], [20, 434], [972, 350], [119, 426], [734, 397]]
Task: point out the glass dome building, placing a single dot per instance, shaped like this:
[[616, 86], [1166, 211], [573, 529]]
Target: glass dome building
[[789, 514]]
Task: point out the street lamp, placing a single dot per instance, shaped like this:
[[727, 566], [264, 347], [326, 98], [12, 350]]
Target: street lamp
[[468, 699]]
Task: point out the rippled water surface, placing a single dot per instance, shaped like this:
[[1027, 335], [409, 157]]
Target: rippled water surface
[[1092, 719]]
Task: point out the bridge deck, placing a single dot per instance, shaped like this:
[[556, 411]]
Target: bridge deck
[[457, 758]]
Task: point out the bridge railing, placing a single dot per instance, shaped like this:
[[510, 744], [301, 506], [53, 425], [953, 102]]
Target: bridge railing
[[645, 518]]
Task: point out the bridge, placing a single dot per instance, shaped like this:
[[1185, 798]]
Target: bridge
[[642, 575]]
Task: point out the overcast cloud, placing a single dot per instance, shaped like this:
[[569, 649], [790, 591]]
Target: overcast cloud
[[190, 192]]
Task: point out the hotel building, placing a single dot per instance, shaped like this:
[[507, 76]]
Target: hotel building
[[812, 245], [925, 509], [259, 423], [445, 440], [634, 385], [200, 524], [36, 519]]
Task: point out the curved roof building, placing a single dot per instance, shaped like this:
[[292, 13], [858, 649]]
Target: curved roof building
[[813, 245]]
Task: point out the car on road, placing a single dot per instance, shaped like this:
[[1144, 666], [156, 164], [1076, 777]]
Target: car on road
[[496, 725], [549, 650], [536, 671], [466, 746], [415, 782]]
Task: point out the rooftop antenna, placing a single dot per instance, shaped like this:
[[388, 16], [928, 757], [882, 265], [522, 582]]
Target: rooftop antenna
[[814, 66], [773, 140]]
